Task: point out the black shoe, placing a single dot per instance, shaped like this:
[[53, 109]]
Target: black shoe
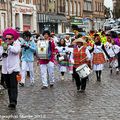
[[117, 72], [78, 89], [82, 91], [44, 87], [98, 79], [21, 84], [51, 86], [4, 85], [12, 106]]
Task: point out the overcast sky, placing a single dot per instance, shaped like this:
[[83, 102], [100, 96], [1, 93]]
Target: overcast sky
[[108, 3]]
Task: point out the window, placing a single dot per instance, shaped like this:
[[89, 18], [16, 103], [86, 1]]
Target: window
[[2, 1], [95, 6], [85, 6], [20, 1], [88, 6], [79, 7], [102, 6], [75, 8], [70, 7], [27, 1], [66, 8]]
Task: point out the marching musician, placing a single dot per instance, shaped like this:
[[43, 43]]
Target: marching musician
[[11, 64], [27, 58], [81, 55], [47, 64]]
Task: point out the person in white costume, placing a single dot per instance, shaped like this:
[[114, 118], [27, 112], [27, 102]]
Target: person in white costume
[[10, 52], [64, 57], [112, 50], [27, 58]]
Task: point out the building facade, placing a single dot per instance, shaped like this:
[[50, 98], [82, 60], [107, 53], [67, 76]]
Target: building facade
[[98, 14], [24, 15], [84, 14], [50, 15], [3, 15]]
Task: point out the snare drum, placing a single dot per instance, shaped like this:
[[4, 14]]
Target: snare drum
[[83, 70]]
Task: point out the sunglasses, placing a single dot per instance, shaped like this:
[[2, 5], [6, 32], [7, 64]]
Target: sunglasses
[[8, 38]]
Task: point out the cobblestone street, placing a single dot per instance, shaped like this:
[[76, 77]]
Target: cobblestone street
[[101, 101]]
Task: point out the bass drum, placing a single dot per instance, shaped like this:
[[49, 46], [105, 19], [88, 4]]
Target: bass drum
[[43, 49]]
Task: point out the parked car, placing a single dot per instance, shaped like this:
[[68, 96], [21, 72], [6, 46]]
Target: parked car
[[113, 30], [62, 35]]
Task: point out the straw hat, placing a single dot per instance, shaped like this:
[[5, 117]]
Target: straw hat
[[79, 40]]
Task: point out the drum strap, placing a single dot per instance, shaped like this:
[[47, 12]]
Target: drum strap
[[49, 50], [114, 52]]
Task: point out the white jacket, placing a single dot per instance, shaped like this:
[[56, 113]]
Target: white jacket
[[12, 62]]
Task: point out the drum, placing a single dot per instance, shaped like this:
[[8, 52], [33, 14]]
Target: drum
[[43, 49], [83, 70], [114, 63]]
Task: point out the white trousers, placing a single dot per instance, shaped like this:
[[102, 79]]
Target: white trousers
[[25, 67], [47, 73]]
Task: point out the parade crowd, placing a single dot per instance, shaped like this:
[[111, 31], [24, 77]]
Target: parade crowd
[[78, 56]]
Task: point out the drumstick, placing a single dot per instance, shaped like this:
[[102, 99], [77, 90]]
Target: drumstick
[[83, 59]]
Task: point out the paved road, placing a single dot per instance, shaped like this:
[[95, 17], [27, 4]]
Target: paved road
[[101, 101]]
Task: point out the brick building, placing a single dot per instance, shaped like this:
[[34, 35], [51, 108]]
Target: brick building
[[87, 14], [98, 13], [50, 15], [56, 15], [24, 15]]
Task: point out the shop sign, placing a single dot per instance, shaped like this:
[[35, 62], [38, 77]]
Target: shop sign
[[23, 10], [77, 21]]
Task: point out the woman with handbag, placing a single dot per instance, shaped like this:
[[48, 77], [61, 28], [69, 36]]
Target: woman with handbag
[[99, 53], [63, 57]]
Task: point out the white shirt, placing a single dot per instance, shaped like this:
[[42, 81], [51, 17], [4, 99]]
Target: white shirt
[[55, 40], [98, 49], [12, 62]]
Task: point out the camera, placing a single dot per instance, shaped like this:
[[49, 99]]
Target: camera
[[5, 54]]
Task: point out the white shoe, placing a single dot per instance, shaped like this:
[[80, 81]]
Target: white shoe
[[62, 78], [32, 83], [117, 71]]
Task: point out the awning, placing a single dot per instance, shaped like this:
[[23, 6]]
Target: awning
[[51, 18], [58, 17]]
